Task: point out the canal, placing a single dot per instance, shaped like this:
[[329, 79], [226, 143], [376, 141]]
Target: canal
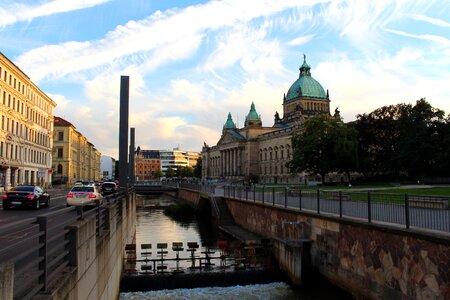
[[153, 227]]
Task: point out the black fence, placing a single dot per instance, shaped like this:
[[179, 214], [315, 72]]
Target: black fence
[[41, 247], [426, 212]]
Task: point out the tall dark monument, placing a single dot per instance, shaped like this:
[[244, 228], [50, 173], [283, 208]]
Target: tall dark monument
[[123, 130], [132, 177]]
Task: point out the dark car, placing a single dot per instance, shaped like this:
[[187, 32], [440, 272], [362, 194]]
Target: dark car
[[26, 195], [108, 188]]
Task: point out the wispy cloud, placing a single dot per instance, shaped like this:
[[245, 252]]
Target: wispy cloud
[[11, 13], [429, 37], [433, 21], [160, 30]]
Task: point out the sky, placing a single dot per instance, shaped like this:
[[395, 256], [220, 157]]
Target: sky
[[192, 62]]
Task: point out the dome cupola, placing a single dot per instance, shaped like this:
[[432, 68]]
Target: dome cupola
[[305, 86], [253, 119]]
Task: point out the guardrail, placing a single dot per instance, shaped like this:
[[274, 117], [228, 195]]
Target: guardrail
[[43, 246], [418, 211]]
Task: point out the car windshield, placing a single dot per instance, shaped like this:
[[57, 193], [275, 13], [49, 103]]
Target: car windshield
[[23, 188], [88, 189], [109, 185]]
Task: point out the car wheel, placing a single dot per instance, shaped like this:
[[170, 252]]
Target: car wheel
[[6, 207], [47, 204], [38, 204]]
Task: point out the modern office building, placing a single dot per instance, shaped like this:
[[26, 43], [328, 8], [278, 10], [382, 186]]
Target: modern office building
[[107, 167], [74, 157], [148, 161], [259, 153], [26, 129], [177, 158]]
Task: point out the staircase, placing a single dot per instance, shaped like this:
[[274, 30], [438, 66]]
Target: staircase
[[226, 222]]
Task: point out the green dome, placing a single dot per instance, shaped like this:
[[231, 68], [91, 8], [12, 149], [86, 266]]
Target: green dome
[[305, 85], [229, 124], [252, 114]]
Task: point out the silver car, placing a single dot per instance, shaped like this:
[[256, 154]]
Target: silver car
[[84, 195]]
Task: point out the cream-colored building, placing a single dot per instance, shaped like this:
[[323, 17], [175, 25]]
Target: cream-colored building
[[26, 129], [74, 157], [259, 153]]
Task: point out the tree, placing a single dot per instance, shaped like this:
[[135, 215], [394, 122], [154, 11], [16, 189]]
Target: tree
[[198, 168], [158, 174], [345, 150], [325, 145], [170, 173], [186, 171], [403, 140], [378, 136]]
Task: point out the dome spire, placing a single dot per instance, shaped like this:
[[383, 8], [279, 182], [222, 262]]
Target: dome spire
[[305, 68], [252, 114], [229, 124]]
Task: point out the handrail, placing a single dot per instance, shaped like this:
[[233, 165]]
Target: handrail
[[51, 262], [418, 211]]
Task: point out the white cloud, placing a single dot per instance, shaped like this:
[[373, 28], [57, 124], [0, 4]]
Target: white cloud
[[434, 21], [358, 87], [301, 40], [160, 30], [429, 37], [16, 12]]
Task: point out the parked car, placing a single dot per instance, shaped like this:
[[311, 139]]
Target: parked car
[[26, 195], [83, 196], [108, 188]]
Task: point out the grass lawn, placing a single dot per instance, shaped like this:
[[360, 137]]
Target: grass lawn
[[377, 188]]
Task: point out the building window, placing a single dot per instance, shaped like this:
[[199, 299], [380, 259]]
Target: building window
[[60, 135], [60, 152], [60, 169]]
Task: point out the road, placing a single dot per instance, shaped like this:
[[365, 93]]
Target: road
[[57, 201]]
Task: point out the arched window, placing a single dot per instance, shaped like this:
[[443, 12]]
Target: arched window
[[60, 169]]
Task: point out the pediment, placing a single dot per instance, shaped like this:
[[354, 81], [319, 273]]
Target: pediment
[[230, 137]]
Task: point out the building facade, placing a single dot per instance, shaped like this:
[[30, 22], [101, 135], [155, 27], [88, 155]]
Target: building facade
[[147, 164], [74, 157], [107, 167], [26, 129], [256, 153]]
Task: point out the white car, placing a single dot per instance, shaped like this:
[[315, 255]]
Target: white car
[[83, 195]]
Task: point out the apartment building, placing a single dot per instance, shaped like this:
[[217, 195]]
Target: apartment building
[[74, 157], [147, 164], [26, 129]]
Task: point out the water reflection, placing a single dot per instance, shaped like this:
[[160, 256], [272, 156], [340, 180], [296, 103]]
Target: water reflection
[[152, 227]]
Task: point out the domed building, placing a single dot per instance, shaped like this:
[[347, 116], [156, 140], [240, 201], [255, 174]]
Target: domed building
[[258, 153]]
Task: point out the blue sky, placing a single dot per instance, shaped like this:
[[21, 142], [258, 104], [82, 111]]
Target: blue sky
[[192, 62]]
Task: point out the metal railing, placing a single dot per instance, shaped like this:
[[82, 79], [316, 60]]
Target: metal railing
[[418, 211], [41, 247]]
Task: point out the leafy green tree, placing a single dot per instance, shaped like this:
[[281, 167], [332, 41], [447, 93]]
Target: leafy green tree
[[378, 137], [419, 139], [403, 140], [186, 171], [345, 150], [158, 174], [325, 145], [198, 168], [170, 172]]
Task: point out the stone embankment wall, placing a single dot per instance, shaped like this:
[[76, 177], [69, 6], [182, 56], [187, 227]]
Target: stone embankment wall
[[370, 261], [99, 259], [191, 196]]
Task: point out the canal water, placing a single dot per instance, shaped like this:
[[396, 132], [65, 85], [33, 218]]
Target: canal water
[[153, 226]]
